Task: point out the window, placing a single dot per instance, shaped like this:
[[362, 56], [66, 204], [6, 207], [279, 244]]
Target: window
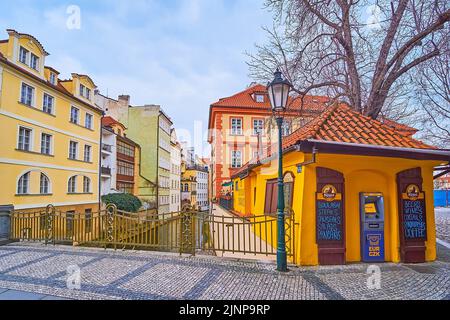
[[125, 149], [48, 103], [88, 219], [85, 92], [23, 184], [258, 126], [73, 150], [72, 185], [236, 159], [52, 78], [236, 126], [86, 185], [23, 55], [286, 128], [88, 121], [125, 187], [46, 143], [34, 62], [24, 139], [125, 168], [259, 98], [44, 184], [27, 95], [74, 114], [87, 153], [271, 201]]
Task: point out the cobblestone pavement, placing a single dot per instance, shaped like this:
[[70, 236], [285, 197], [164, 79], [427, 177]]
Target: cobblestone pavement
[[107, 274], [443, 223]]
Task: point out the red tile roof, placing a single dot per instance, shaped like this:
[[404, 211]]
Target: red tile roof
[[245, 99], [108, 121], [342, 124]]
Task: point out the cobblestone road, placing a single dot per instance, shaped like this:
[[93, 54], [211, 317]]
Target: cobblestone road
[[146, 275], [443, 223]]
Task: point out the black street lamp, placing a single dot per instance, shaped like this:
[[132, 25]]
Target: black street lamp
[[278, 91]]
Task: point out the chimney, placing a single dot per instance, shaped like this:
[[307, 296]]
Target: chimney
[[125, 99]]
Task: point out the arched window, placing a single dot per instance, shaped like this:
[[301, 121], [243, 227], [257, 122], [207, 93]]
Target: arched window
[[86, 185], [72, 185], [44, 184], [23, 185]]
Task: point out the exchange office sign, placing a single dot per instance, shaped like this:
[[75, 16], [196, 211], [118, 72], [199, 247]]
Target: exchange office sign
[[329, 222]]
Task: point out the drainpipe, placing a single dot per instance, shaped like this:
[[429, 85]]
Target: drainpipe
[[100, 164], [313, 160]]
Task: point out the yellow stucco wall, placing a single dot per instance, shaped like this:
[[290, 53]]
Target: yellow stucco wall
[[57, 167], [362, 174]]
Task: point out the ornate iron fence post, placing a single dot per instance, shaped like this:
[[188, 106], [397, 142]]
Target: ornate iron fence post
[[111, 212], [49, 215], [187, 234]]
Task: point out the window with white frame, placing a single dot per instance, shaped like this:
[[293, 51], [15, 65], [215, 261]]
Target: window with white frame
[[259, 98], [23, 184], [34, 61], [52, 78], [48, 103], [46, 143], [87, 153], [73, 150], [72, 185], [286, 128], [86, 185], [44, 184], [23, 55], [27, 95], [236, 159], [258, 126], [88, 121], [24, 142], [85, 92], [74, 115], [236, 126]]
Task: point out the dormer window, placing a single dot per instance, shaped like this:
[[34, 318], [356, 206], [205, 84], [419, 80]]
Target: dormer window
[[34, 62], [259, 98], [23, 55], [85, 92], [53, 78]]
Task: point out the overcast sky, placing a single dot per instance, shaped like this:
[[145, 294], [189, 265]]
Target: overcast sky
[[181, 54]]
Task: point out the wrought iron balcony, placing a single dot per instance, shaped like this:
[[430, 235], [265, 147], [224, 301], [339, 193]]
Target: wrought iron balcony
[[106, 147], [106, 171]]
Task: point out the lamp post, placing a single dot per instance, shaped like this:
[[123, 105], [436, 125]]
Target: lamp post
[[278, 91]]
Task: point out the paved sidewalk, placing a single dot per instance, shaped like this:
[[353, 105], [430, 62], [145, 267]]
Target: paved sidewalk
[[7, 294], [122, 275]]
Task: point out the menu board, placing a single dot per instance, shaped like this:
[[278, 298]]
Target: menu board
[[414, 221], [329, 220]]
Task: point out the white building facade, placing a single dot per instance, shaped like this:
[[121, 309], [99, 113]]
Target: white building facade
[[202, 188], [175, 173], [108, 162]]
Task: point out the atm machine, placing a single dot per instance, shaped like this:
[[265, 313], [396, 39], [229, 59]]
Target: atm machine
[[372, 227]]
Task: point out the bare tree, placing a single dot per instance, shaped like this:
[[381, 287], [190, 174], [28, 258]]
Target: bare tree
[[433, 93], [356, 50]]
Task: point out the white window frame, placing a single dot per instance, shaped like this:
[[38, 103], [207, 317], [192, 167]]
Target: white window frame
[[33, 94], [53, 103], [52, 78], [31, 138], [88, 190], [234, 159], [49, 186], [86, 147], [36, 67], [76, 149], [258, 125], [78, 115], [87, 116], [50, 144], [27, 53], [74, 185], [236, 129], [20, 188]]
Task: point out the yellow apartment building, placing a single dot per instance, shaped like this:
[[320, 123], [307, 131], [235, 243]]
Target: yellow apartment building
[[49, 151]]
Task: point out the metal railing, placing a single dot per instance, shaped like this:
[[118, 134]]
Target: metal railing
[[106, 171], [226, 203], [106, 147], [183, 232]]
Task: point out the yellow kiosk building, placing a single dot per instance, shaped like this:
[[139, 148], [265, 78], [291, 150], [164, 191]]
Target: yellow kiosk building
[[49, 151], [358, 189]]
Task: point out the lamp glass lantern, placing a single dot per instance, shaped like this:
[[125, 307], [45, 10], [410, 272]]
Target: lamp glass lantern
[[278, 91]]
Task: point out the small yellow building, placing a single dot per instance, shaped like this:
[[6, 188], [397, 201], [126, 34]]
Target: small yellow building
[[358, 189], [49, 153]]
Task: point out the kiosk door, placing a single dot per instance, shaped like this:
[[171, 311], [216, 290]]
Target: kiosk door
[[372, 227]]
